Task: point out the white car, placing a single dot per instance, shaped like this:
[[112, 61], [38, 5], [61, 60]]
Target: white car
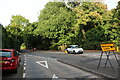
[[74, 49]]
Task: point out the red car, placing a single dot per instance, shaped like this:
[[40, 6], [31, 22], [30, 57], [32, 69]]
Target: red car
[[9, 59]]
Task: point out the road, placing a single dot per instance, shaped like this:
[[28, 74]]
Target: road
[[47, 64]]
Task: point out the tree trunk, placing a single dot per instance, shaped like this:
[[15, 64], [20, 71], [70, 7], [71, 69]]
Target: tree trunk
[[84, 35]]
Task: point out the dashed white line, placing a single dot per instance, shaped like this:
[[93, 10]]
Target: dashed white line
[[24, 68], [24, 61], [23, 75], [25, 58], [24, 64]]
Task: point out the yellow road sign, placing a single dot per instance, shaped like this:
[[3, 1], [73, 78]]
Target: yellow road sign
[[108, 47]]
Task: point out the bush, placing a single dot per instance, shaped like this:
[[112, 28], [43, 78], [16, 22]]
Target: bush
[[91, 46]]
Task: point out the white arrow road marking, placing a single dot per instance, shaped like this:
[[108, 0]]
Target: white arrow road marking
[[54, 76], [43, 63]]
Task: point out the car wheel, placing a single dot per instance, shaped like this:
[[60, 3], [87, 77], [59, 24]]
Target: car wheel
[[68, 52], [73, 51]]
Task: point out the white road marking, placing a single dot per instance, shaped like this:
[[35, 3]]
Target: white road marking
[[54, 76], [24, 68], [43, 63], [24, 64], [25, 58], [23, 75], [24, 61]]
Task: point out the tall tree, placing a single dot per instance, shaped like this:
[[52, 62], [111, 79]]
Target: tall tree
[[8, 40], [1, 26], [56, 22], [20, 27], [112, 29], [89, 15]]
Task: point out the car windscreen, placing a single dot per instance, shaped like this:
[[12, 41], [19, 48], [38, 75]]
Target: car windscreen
[[74, 46], [4, 53]]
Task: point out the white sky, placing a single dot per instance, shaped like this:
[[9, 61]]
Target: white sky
[[29, 9]]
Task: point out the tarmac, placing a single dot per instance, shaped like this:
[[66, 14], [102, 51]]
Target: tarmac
[[91, 64], [111, 70]]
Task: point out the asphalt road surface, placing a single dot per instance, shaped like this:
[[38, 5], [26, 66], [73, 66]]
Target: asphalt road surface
[[47, 64]]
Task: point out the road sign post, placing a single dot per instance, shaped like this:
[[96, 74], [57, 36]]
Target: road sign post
[[107, 49]]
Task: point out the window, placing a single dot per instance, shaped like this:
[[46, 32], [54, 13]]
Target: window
[[16, 53], [4, 53]]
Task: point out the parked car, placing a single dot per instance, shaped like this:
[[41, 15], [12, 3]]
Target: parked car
[[9, 59], [74, 49]]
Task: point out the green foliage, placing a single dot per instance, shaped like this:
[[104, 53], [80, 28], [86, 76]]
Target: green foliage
[[17, 25], [21, 28], [86, 24], [56, 22], [112, 28], [116, 12], [96, 34], [95, 37], [91, 45], [1, 36], [9, 41]]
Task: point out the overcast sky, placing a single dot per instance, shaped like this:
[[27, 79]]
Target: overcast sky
[[29, 9]]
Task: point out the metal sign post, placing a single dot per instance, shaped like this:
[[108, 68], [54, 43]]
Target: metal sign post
[[107, 49]]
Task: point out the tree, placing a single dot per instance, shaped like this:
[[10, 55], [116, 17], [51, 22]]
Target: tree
[[112, 28], [8, 40], [38, 41], [89, 15], [59, 24], [1, 26], [20, 27], [56, 22]]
